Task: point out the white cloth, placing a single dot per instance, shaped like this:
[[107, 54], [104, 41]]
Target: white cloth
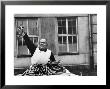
[[40, 57]]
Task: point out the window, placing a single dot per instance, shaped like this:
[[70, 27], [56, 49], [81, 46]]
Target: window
[[31, 28], [67, 34]]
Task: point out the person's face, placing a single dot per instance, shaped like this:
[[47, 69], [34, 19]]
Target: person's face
[[43, 44]]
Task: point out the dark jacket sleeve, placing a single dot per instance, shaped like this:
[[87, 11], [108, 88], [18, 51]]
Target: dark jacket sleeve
[[29, 44], [52, 58]]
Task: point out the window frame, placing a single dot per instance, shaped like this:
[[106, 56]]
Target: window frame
[[27, 31], [77, 43], [33, 36]]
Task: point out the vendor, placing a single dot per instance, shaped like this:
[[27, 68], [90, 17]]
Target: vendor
[[42, 60]]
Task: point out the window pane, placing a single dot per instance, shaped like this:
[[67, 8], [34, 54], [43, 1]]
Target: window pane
[[74, 39], [71, 23], [64, 30], [31, 31], [20, 42], [60, 30], [61, 18], [32, 27], [35, 39], [31, 38], [24, 42], [74, 23], [60, 40], [63, 48], [32, 23], [70, 39], [64, 23], [71, 18], [69, 30], [59, 23], [64, 39], [74, 30], [25, 25], [22, 22], [19, 22], [22, 50], [72, 47]]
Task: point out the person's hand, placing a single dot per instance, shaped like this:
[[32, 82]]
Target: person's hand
[[20, 32]]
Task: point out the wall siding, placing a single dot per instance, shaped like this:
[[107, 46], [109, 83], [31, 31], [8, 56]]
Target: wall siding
[[94, 29], [83, 43], [48, 32], [73, 59], [15, 43], [83, 34]]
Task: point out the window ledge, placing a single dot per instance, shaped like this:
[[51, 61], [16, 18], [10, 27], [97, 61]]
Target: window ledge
[[23, 56], [67, 53]]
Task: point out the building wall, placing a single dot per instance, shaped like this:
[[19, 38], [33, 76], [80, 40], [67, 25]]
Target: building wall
[[94, 32], [48, 29], [83, 45], [15, 45]]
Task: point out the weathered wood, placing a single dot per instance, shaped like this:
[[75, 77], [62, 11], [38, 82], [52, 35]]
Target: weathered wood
[[48, 32]]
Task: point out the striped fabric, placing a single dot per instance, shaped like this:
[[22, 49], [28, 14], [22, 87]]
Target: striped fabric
[[51, 68]]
